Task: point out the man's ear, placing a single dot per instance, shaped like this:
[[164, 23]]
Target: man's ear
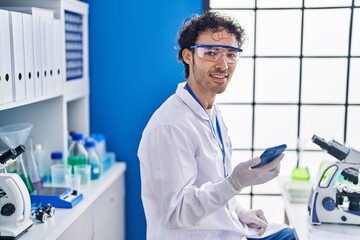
[[187, 56]]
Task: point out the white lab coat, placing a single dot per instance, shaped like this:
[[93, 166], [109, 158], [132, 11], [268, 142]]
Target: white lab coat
[[182, 175]]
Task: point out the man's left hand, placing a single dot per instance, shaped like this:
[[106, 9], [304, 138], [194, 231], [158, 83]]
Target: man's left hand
[[253, 218]]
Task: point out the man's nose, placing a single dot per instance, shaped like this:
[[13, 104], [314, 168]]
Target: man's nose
[[222, 62]]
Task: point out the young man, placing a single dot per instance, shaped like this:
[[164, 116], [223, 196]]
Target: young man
[[188, 184]]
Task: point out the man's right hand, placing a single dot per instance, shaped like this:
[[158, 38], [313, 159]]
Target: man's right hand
[[244, 175]]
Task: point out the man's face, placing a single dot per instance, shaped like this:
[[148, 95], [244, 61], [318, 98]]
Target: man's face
[[210, 77]]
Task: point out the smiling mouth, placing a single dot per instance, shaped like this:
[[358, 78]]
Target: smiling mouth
[[219, 76]]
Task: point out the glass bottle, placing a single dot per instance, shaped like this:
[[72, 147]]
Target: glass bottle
[[94, 158], [77, 153]]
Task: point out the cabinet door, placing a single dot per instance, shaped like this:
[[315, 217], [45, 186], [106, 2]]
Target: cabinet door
[[108, 213], [81, 229]]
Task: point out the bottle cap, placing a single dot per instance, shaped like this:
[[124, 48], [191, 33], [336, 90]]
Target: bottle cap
[[89, 143], [77, 136], [56, 155], [98, 137]]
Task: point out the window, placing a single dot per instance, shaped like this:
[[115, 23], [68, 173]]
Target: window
[[298, 76]]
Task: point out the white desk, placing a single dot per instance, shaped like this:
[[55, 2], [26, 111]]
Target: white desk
[[100, 215], [297, 216]]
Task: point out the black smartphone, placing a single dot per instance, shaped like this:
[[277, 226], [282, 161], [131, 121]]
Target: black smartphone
[[270, 154]]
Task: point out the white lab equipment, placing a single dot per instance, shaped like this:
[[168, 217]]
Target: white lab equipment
[[335, 196], [15, 201]]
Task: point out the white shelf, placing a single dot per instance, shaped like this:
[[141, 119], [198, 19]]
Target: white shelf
[[25, 102], [54, 114], [75, 89]]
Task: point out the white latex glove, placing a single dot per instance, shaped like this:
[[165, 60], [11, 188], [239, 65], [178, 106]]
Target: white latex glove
[[253, 218], [243, 175]]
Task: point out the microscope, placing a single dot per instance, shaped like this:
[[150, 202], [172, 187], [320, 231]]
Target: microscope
[[335, 196], [15, 204]]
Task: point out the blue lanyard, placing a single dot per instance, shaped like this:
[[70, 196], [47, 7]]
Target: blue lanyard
[[213, 129]]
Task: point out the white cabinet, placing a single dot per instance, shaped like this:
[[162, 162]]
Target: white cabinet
[[104, 218], [101, 214], [108, 212], [67, 108]]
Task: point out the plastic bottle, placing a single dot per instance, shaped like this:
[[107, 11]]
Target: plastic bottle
[[56, 158], [94, 159], [100, 145], [77, 152], [42, 163]]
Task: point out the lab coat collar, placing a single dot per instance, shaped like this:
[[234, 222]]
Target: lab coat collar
[[191, 102]]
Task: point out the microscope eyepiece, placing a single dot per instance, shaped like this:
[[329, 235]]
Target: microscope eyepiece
[[19, 150], [9, 154], [334, 148], [321, 142]]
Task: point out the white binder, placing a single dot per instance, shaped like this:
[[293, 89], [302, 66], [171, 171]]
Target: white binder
[[35, 11], [37, 56], [40, 65], [17, 49], [29, 56], [6, 84], [44, 60], [58, 55], [50, 51]]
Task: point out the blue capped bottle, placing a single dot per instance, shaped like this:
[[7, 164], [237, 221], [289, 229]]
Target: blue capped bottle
[[77, 152], [94, 158]]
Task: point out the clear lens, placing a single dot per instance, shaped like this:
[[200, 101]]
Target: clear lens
[[214, 54]]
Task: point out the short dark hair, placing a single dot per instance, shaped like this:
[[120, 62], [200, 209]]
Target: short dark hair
[[192, 27]]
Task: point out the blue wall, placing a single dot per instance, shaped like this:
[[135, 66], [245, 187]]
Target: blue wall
[[133, 69]]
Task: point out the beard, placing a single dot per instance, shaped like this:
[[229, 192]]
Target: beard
[[206, 81]]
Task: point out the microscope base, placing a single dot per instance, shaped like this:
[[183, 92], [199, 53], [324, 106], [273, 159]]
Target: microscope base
[[14, 230]]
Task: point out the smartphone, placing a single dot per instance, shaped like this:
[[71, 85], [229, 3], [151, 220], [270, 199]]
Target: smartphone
[[270, 154]]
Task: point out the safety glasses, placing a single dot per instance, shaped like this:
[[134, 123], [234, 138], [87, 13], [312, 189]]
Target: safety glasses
[[213, 52]]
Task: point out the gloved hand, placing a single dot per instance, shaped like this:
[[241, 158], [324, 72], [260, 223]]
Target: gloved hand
[[243, 175], [253, 218]]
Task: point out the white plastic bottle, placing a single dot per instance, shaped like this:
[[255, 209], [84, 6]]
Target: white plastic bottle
[[100, 145], [94, 159]]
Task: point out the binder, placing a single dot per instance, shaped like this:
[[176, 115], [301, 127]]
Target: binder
[[40, 70], [6, 84], [44, 60], [50, 52], [28, 56], [37, 55], [35, 11], [58, 55], [17, 50]]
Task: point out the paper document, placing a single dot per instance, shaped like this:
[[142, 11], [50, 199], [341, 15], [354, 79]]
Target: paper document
[[271, 229]]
